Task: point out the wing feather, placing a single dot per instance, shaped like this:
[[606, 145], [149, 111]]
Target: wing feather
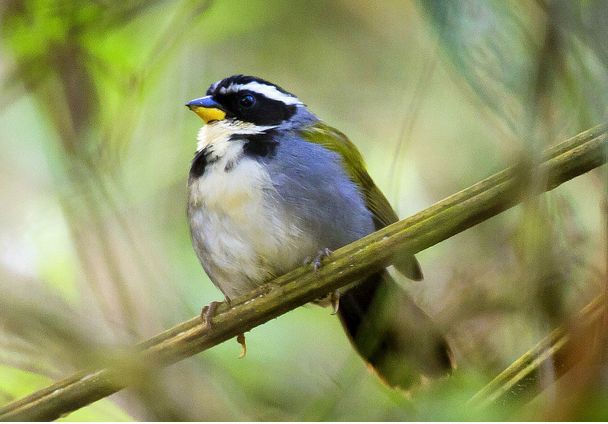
[[382, 212]]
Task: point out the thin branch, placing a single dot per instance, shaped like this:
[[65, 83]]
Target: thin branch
[[350, 263], [519, 379]]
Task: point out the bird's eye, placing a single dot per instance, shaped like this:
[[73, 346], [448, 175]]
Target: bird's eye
[[247, 101]]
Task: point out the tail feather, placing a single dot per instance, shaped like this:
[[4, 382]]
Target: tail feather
[[397, 338]]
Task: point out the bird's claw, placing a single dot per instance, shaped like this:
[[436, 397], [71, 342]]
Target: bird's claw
[[241, 340], [316, 261], [334, 299]]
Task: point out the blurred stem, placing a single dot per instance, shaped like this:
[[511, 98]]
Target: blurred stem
[[346, 265], [517, 381], [410, 117], [605, 311]]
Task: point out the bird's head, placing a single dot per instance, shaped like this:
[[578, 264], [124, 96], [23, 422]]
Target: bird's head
[[248, 100]]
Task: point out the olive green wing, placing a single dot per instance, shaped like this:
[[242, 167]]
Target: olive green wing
[[382, 212]]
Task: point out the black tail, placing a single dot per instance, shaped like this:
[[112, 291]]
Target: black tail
[[392, 333]]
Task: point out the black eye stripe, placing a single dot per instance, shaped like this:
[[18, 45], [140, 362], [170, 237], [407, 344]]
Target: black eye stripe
[[264, 111]]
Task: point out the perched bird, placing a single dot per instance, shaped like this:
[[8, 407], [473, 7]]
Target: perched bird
[[271, 187]]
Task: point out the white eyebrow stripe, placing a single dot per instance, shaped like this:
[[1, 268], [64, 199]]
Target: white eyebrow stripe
[[214, 86], [269, 91]]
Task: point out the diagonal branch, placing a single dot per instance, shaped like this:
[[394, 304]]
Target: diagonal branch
[[519, 379], [350, 263]]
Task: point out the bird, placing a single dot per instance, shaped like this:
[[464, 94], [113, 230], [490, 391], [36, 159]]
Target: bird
[[272, 187]]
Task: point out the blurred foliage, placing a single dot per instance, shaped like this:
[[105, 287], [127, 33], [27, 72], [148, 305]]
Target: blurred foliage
[[94, 247]]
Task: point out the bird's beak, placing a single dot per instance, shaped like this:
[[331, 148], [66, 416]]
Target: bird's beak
[[207, 108]]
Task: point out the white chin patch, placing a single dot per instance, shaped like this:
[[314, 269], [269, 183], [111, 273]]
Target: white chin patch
[[218, 133], [268, 91]]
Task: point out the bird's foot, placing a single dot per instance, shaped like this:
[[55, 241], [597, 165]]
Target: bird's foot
[[209, 311], [241, 340], [316, 260]]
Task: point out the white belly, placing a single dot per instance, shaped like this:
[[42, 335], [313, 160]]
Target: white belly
[[241, 233]]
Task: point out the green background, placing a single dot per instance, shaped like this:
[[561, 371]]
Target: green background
[[95, 146]]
